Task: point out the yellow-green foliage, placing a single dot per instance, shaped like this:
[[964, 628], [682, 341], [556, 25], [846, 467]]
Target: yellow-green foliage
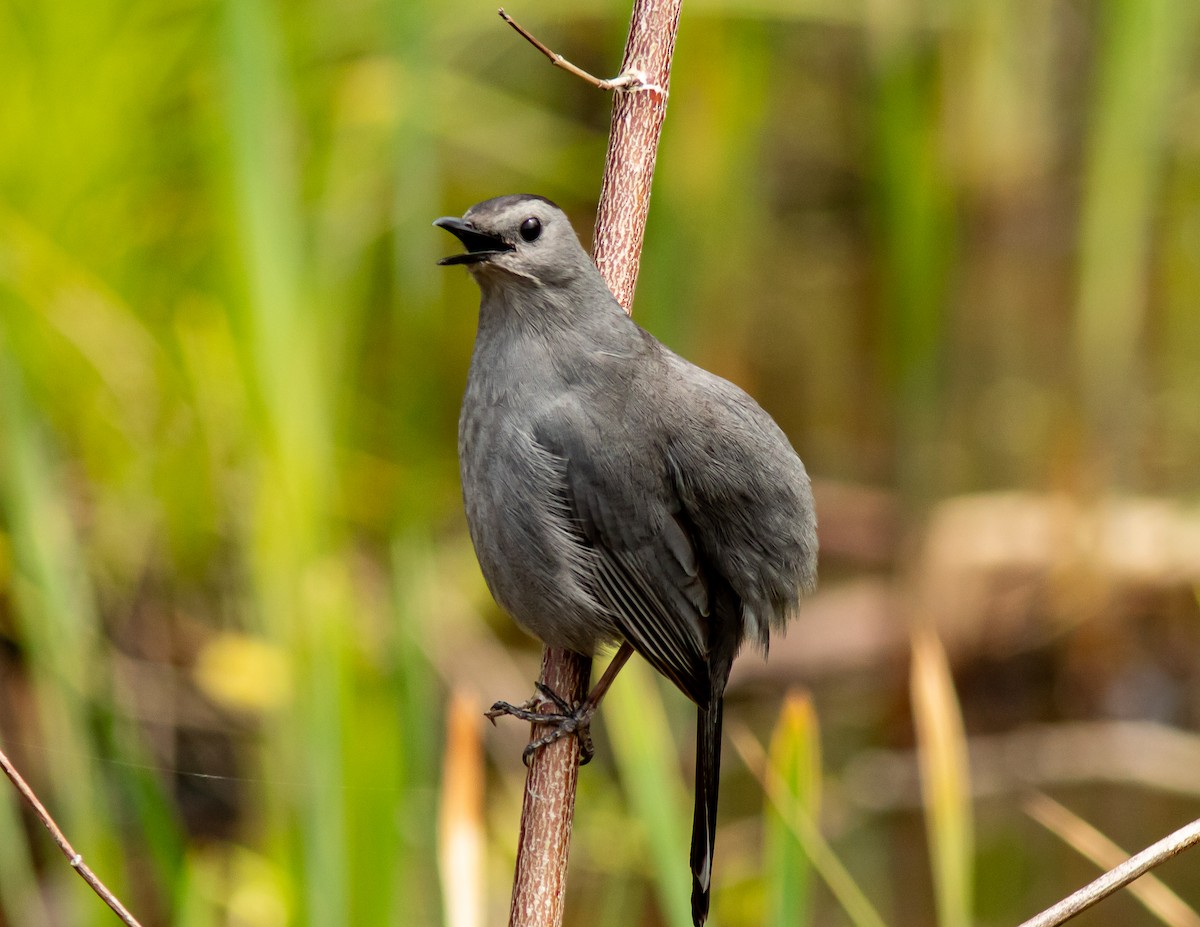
[[949, 244]]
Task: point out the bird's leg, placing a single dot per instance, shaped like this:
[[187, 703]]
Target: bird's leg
[[567, 719]]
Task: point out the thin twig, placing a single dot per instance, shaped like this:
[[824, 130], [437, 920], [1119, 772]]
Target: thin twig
[[631, 79], [1089, 842], [64, 844], [1118, 877]]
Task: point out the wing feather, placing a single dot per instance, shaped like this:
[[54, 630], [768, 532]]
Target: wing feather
[[646, 569]]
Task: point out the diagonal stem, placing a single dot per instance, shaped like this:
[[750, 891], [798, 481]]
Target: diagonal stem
[[75, 859], [1118, 877], [627, 80]]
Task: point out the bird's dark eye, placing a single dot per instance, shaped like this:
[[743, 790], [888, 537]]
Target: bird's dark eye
[[531, 228]]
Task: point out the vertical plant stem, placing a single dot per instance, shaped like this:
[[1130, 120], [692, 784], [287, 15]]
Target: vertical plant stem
[[539, 883], [544, 844], [637, 121]]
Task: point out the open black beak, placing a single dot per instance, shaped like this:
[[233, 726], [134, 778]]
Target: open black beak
[[480, 245]]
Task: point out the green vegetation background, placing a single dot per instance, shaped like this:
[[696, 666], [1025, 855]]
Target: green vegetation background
[[952, 245]]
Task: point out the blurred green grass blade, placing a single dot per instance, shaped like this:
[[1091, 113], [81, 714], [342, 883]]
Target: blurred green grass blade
[[322, 710], [646, 761], [1141, 59], [373, 764], [140, 788], [50, 580], [834, 874], [914, 232], [266, 212], [945, 780], [303, 592], [794, 759], [416, 725], [57, 622], [284, 336], [193, 908], [416, 168], [20, 898]]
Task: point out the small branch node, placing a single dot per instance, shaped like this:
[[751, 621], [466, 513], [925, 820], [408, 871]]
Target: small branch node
[[76, 860], [632, 81]]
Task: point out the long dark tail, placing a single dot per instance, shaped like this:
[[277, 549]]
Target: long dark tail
[[704, 820]]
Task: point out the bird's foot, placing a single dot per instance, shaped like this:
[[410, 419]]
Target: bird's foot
[[566, 719]]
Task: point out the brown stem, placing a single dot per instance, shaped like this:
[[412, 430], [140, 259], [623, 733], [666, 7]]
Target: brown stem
[[637, 120], [549, 806], [64, 844], [540, 880]]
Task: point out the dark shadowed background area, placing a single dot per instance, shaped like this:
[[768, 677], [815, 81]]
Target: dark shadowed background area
[[952, 245]]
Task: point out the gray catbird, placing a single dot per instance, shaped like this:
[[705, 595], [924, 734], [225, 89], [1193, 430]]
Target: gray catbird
[[616, 492]]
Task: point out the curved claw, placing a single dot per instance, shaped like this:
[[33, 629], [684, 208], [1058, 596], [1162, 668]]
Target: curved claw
[[568, 719]]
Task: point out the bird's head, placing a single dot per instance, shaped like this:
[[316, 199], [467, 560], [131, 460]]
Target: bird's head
[[522, 237]]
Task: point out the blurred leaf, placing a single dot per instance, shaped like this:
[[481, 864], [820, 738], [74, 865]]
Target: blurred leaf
[[1142, 56], [794, 761], [243, 672], [835, 875], [646, 761], [945, 780], [460, 818], [20, 898], [231, 371], [59, 628], [913, 212]]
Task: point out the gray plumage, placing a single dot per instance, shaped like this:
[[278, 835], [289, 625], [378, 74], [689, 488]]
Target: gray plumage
[[614, 491]]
